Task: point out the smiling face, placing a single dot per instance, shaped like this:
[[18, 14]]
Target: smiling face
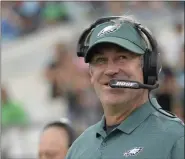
[[110, 61]]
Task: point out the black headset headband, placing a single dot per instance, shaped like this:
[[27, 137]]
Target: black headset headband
[[152, 65]]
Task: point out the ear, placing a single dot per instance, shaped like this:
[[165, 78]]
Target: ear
[[90, 70], [91, 73]]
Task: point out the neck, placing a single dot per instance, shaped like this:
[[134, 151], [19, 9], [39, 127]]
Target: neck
[[118, 113]]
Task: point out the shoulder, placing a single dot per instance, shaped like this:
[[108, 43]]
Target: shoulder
[[89, 132], [169, 124], [82, 141]]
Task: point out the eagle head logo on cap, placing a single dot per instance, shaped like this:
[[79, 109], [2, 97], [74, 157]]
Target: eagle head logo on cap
[[109, 29]]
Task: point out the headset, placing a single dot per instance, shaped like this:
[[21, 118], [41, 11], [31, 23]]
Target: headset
[[65, 124], [152, 64]]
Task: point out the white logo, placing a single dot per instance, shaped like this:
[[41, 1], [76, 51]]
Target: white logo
[[133, 152], [109, 29], [125, 84]]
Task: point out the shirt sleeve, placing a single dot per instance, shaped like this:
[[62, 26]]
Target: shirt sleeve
[[177, 151]]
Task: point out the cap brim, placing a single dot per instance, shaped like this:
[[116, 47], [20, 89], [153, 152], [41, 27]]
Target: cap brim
[[118, 41]]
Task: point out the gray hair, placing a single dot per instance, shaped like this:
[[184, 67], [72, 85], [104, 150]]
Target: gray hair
[[128, 18], [131, 19]]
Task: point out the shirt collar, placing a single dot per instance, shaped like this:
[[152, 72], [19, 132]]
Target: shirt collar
[[133, 121], [101, 128], [138, 116]]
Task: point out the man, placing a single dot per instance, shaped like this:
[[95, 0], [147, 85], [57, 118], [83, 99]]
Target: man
[[55, 140], [132, 125]]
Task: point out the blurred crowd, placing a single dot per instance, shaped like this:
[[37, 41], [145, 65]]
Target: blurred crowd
[[23, 17], [20, 18], [67, 75]]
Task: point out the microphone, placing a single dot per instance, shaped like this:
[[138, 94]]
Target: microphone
[[131, 84]]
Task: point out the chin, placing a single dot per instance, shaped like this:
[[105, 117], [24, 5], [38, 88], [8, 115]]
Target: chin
[[113, 100]]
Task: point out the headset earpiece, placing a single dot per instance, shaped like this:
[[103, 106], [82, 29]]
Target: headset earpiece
[[149, 72], [81, 48], [151, 67]]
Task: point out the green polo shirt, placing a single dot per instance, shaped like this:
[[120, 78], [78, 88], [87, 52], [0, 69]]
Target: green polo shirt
[[145, 134]]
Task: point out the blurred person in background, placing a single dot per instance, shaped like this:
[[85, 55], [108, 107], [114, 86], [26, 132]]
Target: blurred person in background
[[56, 139], [30, 13], [52, 71], [180, 67], [170, 94], [13, 113], [69, 79], [180, 80], [170, 44], [168, 90], [10, 22], [179, 29], [83, 105], [55, 12], [116, 49]]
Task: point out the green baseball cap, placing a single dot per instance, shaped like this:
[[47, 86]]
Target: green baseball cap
[[123, 34]]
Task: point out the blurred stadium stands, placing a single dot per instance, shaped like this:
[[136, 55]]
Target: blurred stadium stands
[[30, 34]]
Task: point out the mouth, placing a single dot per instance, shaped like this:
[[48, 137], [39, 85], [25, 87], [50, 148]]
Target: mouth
[[106, 84]]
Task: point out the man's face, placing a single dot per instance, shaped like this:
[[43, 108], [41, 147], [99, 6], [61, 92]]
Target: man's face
[[110, 61], [53, 144]]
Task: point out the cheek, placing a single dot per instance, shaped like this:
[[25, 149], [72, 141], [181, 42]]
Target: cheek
[[140, 74], [136, 72], [94, 80], [95, 76]]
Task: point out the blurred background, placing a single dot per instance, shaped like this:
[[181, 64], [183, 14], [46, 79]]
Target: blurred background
[[42, 79]]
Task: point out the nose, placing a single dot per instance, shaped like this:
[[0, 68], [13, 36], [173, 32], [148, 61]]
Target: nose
[[112, 69]]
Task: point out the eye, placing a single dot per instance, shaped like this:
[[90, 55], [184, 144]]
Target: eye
[[122, 57], [99, 60]]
